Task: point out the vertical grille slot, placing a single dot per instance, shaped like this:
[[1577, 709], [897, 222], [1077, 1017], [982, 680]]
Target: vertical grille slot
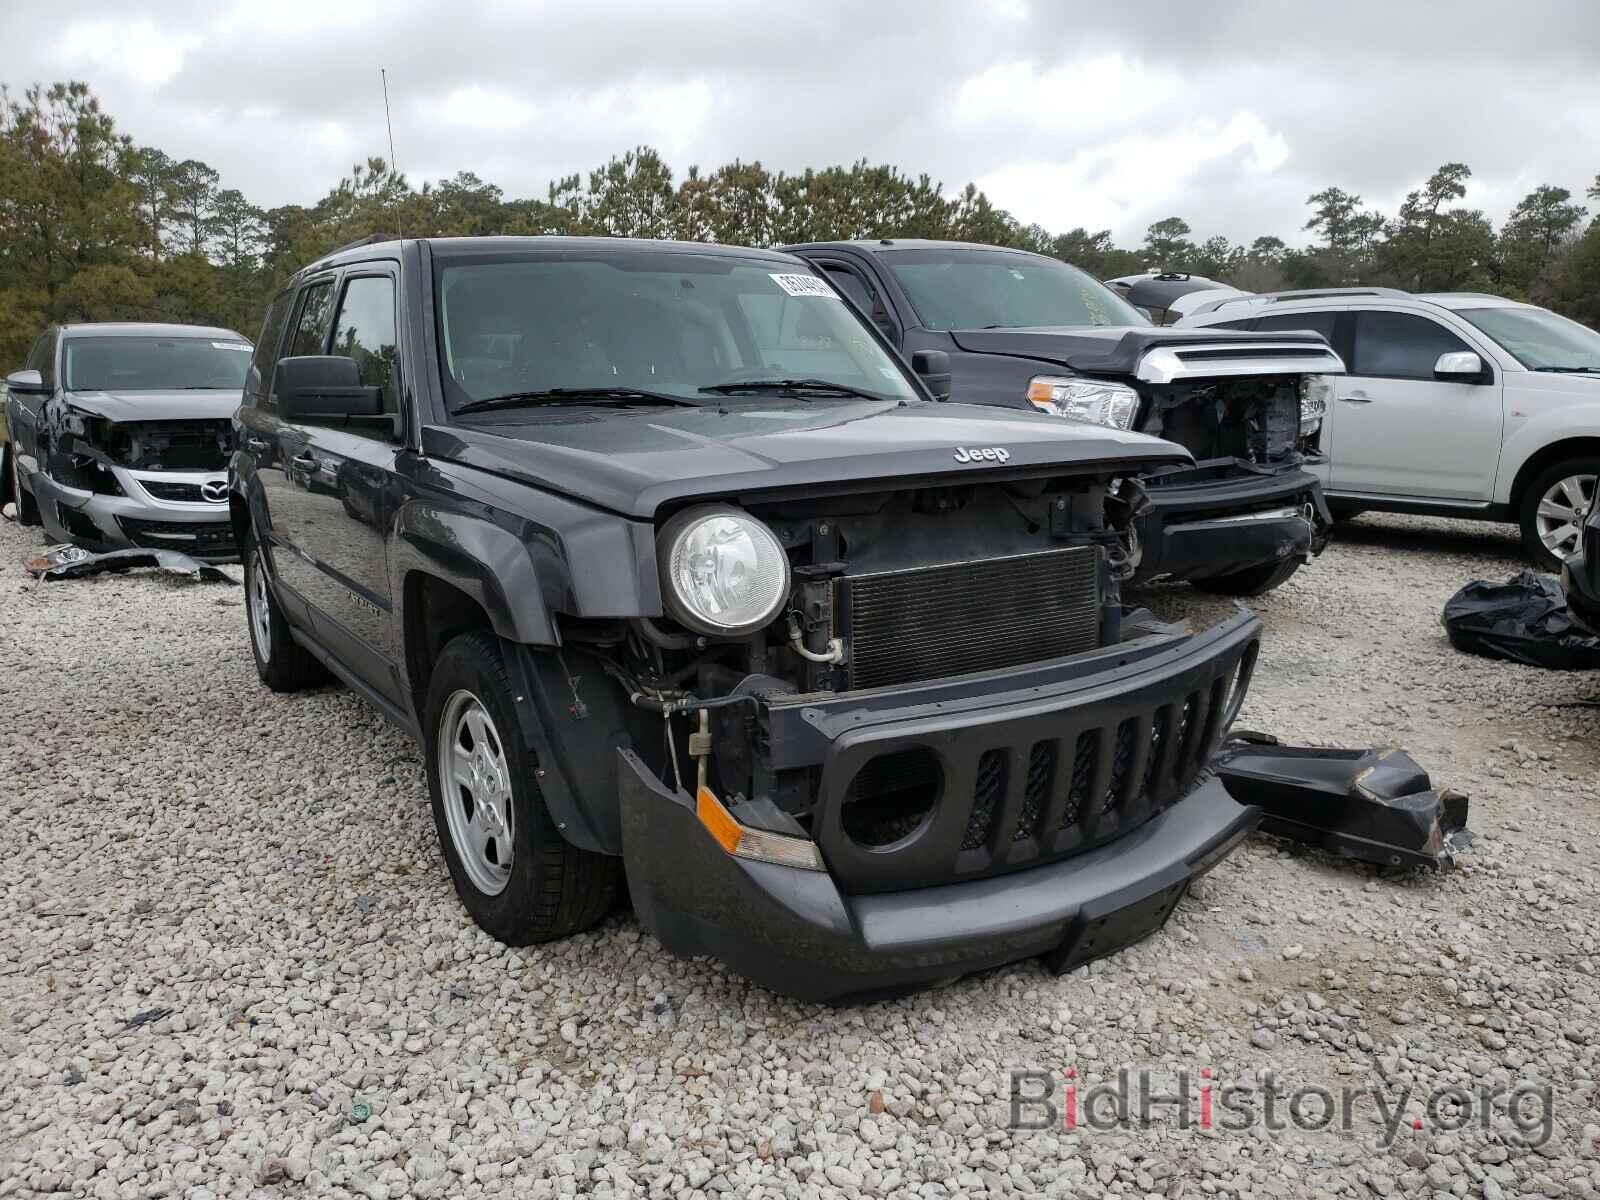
[[907, 626]]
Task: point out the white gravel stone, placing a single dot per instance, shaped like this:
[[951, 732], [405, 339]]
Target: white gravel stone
[[225, 925]]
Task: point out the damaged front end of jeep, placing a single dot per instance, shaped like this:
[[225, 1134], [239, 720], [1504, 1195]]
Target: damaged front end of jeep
[[947, 747]]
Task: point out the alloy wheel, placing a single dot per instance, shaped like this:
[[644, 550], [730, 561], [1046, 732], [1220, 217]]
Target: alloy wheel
[[260, 606], [476, 786], [1561, 513]]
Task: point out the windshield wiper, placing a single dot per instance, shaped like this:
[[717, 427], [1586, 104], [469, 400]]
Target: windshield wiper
[[796, 386], [622, 397], [1572, 370]]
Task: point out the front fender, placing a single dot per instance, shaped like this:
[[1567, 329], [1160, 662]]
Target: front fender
[[996, 379], [1559, 419], [483, 560]]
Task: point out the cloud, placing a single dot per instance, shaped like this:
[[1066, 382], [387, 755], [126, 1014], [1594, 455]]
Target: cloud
[[1068, 113]]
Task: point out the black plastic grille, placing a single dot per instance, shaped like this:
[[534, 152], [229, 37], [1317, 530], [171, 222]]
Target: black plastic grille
[[985, 803], [907, 626], [190, 537]]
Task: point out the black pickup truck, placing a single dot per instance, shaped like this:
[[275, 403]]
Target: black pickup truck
[[681, 576], [1025, 331]]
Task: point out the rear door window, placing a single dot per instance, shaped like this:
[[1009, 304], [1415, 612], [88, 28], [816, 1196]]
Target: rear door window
[[1316, 322], [311, 326], [1396, 345]]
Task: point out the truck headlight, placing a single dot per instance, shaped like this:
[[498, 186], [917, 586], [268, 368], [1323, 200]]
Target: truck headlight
[[1093, 400], [722, 571], [1315, 392]]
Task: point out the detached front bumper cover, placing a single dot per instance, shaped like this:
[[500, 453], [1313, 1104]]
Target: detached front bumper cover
[[1378, 806]]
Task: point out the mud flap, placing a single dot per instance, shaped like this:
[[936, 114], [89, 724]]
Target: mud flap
[[1377, 806]]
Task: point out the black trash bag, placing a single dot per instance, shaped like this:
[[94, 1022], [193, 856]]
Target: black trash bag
[[1524, 619]]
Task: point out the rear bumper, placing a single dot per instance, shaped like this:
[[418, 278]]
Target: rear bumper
[[1072, 862], [1210, 521], [793, 931]]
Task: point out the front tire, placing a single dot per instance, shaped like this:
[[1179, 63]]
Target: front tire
[[1253, 581], [1553, 509], [518, 878], [283, 663]]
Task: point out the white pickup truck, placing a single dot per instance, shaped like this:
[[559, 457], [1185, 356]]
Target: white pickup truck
[[1459, 404]]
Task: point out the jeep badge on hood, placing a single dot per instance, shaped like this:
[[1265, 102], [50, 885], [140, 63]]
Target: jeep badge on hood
[[983, 454]]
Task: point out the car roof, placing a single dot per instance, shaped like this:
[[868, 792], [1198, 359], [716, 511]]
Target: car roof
[[497, 244], [1458, 300], [1249, 304], [878, 245], [148, 329]]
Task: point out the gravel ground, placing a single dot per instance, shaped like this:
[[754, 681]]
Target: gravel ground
[[231, 963]]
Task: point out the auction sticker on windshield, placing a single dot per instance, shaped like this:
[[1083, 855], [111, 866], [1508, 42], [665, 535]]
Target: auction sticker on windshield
[[803, 285]]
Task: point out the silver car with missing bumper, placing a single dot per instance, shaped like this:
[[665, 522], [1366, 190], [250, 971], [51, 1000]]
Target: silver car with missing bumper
[[119, 435]]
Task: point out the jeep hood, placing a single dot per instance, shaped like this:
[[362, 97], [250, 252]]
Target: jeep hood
[[633, 461], [208, 405], [1158, 354]]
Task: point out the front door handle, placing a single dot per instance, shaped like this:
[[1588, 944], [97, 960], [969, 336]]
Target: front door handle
[[1357, 398], [259, 445], [304, 459]]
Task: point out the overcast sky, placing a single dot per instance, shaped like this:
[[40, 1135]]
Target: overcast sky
[[1108, 115]]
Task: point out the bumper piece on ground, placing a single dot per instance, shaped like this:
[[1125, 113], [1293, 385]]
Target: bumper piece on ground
[[1378, 806], [74, 562]]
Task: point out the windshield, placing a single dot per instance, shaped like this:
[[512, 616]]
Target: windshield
[[154, 364], [998, 289], [1539, 339], [671, 323]]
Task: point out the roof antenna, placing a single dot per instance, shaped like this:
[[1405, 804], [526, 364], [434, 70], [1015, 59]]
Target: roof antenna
[[389, 122], [384, 75]]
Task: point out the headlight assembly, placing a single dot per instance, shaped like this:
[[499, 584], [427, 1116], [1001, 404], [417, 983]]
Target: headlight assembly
[[723, 572], [1093, 400], [1315, 392]]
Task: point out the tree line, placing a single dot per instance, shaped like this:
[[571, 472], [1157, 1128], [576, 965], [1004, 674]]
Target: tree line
[[94, 226]]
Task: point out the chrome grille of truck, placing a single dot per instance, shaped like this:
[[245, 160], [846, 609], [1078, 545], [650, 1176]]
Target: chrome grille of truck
[[930, 622]]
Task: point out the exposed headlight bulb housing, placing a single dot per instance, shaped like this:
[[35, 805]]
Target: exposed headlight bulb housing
[[723, 572]]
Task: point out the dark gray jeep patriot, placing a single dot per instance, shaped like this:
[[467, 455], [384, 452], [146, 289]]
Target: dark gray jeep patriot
[[682, 577], [1025, 331]]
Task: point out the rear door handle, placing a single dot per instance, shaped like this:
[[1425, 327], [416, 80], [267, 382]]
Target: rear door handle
[[1357, 398], [257, 444], [304, 459]]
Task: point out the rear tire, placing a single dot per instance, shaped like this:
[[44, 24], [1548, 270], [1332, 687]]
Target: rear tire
[[1549, 533], [27, 506], [1253, 581], [283, 663], [518, 878]]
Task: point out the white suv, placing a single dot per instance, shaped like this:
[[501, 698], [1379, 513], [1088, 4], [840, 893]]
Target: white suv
[[1457, 404]]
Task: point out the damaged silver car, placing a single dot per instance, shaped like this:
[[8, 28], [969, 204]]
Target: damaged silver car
[[119, 435]]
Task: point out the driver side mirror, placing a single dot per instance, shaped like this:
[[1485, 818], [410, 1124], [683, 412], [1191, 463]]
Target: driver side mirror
[[26, 383], [326, 389], [1459, 366], [934, 368]]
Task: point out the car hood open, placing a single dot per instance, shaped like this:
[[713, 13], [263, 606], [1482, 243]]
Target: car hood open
[[633, 462], [208, 405]]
